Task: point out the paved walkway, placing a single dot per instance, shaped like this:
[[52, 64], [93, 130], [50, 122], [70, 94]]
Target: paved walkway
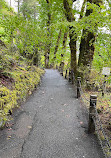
[[51, 124]]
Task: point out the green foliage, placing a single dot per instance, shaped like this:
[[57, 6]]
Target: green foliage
[[25, 80]]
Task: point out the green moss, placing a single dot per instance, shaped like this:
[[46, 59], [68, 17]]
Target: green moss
[[25, 82]]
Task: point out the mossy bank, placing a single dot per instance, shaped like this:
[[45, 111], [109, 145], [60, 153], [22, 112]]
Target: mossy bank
[[15, 85]]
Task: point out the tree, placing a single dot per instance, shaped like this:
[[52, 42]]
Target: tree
[[10, 3], [63, 50], [47, 53], [72, 34], [57, 44], [88, 38]]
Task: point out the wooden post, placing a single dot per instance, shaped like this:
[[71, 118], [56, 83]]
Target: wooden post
[[61, 71], [59, 68], [72, 79], [92, 113], [69, 75], [62, 68], [78, 87], [104, 86], [66, 74], [56, 67]]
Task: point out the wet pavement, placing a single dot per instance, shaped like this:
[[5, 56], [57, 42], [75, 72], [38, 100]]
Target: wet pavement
[[51, 124]]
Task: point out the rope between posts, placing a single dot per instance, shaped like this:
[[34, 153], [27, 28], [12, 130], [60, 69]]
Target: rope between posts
[[107, 104], [96, 119], [100, 139], [80, 88], [82, 93]]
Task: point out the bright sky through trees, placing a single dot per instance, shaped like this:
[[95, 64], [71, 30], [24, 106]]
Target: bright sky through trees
[[13, 4]]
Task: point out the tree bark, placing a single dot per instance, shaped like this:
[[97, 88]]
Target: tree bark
[[57, 43], [64, 48], [47, 53], [72, 34], [35, 57], [24, 11], [65, 39], [83, 9], [86, 49], [10, 3], [18, 6], [87, 42]]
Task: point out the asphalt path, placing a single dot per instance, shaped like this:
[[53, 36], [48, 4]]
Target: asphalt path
[[51, 124]]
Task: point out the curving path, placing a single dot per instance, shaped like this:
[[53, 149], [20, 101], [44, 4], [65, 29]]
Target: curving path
[[51, 124]]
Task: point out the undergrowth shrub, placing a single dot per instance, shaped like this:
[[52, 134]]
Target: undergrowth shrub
[[24, 82]]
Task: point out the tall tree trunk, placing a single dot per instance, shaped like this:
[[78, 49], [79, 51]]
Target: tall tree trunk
[[11, 41], [65, 40], [73, 50], [72, 34], [35, 57], [10, 3], [64, 48], [57, 43], [86, 49], [47, 53], [18, 6], [83, 9], [87, 42], [34, 13]]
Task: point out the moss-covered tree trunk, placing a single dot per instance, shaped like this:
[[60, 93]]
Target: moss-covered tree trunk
[[64, 49], [48, 44], [87, 41], [57, 43], [83, 9], [86, 49], [73, 37], [35, 57], [18, 6]]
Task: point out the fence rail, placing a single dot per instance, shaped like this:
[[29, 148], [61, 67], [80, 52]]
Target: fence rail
[[94, 123]]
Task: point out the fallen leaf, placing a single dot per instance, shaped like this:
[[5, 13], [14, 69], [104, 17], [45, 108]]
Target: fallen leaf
[[8, 137], [9, 129], [40, 106], [65, 104], [68, 116], [29, 127], [30, 92], [9, 124]]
